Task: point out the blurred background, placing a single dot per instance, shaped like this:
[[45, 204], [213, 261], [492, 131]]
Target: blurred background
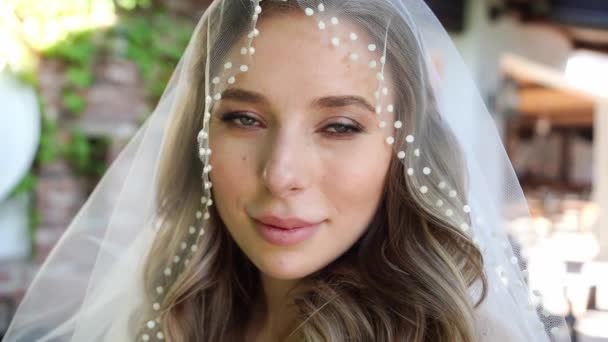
[[78, 77]]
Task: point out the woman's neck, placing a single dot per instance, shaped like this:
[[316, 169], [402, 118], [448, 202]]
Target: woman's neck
[[274, 316]]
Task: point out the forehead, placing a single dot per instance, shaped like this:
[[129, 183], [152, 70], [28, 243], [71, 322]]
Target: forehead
[[294, 56]]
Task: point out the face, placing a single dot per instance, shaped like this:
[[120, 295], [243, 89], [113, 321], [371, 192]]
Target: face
[[299, 157]]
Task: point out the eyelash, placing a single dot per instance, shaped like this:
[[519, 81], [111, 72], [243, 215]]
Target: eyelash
[[232, 118], [237, 118], [351, 129]]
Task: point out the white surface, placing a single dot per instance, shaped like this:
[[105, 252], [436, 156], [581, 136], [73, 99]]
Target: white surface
[[600, 174], [19, 131], [14, 241], [589, 71], [19, 136]]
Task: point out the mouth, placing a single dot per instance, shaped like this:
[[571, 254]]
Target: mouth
[[285, 231], [285, 223]]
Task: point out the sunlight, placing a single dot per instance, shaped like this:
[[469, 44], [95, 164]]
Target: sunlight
[[28, 27], [589, 71]]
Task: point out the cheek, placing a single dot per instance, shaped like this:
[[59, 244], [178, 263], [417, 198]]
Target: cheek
[[232, 177], [231, 158], [355, 185]]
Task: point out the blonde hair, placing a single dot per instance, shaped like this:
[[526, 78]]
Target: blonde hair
[[408, 277]]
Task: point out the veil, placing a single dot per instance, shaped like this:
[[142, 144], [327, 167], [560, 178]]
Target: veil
[[91, 286]]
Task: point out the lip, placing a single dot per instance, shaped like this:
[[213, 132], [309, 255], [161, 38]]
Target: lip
[[285, 231], [285, 223]]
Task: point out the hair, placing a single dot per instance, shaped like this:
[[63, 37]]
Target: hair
[[408, 278]]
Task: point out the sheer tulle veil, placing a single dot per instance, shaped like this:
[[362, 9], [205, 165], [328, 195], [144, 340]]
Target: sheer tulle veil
[[91, 286]]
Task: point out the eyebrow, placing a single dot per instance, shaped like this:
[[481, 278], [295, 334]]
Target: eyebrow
[[242, 95], [338, 101], [343, 101]]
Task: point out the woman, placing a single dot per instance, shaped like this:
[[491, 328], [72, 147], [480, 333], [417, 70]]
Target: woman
[[333, 194]]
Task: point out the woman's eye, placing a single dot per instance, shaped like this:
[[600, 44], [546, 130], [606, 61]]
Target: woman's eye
[[240, 119], [341, 128]]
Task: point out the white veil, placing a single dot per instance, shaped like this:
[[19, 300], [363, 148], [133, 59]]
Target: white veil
[[91, 286]]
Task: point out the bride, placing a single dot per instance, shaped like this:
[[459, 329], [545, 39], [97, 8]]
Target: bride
[[310, 174]]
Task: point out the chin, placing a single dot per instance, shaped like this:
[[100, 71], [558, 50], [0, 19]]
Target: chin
[[286, 267]]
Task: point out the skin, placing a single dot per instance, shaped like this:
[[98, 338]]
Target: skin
[[298, 150]]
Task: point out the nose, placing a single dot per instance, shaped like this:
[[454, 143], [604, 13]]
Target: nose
[[286, 170]]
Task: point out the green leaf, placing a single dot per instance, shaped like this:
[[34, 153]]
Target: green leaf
[[74, 102], [28, 77], [77, 48], [78, 151], [26, 184], [80, 77], [48, 148]]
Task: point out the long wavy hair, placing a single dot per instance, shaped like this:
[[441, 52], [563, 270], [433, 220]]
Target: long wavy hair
[[408, 278]]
